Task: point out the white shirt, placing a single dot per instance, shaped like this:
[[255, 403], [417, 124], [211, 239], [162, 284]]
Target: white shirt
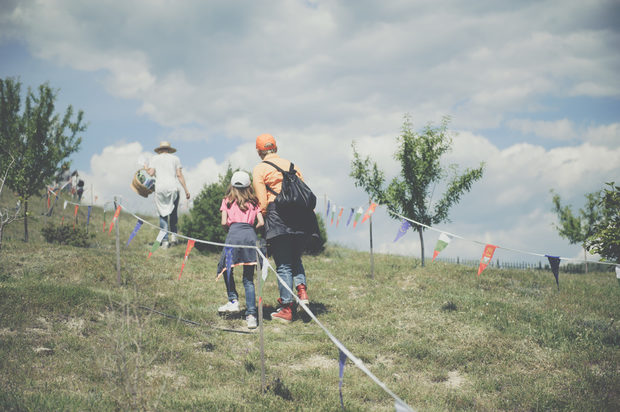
[[166, 181]]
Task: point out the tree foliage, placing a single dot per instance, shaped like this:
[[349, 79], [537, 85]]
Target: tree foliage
[[410, 193], [605, 235], [204, 219], [39, 139], [577, 227]]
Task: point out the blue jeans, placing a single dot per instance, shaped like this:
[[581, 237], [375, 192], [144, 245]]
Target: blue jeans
[[286, 251], [248, 284], [174, 218]]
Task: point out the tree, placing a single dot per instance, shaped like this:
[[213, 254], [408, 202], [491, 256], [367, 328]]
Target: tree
[[7, 214], [577, 228], [39, 139], [204, 220], [410, 194], [605, 234]]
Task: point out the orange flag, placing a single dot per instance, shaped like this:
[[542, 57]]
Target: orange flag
[[369, 212], [75, 215], [115, 218], [487, 255], [190, 245], [339, 216]]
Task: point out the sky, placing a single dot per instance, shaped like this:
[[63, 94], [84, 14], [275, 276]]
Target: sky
[[531, 87]]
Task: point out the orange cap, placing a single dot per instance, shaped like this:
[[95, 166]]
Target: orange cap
[[265, 142]]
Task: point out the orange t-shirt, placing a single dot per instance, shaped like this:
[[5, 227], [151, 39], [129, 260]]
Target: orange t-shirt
[[264, 173]]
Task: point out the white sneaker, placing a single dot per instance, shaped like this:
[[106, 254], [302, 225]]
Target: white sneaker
[[251, 319], [165, 244], [230, 307], [173, 239]]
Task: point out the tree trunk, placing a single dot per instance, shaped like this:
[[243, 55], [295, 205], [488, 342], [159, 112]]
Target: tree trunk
[[585, 257], [1, 231], [25, 220], [421, 244]]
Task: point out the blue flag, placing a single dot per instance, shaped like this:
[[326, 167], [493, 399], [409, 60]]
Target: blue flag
[[135, 230], [403, 229]]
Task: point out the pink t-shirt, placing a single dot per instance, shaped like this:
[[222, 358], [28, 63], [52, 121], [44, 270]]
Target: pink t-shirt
[[235, 215]]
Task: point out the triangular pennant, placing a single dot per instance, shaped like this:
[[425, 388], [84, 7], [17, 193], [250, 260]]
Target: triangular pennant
[[90, 208], [333, 214], [64, 206], [487, 255], [369, 212], [402, 230], [350, 216], [341, 361], [400, 406], [328, 209], [554, 262], [190, 245], [75, 215], [339, 216], [357, 216], [134, 231], [443, 241], [263, 277], [115, 218], [160, 237]]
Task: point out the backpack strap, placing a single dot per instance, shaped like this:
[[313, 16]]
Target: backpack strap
[[291, 170]]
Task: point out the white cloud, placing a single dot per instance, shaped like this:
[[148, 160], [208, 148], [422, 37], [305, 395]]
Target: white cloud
[[563, 129]]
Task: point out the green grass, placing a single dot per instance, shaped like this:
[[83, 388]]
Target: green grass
[[439, 337]]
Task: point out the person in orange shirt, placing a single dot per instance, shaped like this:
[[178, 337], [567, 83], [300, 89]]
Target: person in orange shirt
[[286, 237]]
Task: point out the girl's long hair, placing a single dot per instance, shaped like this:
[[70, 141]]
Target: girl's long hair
[[241, 195]]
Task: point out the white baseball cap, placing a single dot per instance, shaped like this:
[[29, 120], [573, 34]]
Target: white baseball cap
[[240, 179]]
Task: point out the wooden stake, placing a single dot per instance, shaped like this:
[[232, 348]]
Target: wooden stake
[[118, 247], [260, 321]]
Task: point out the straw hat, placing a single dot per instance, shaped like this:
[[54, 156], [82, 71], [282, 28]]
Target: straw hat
[[164, 145]]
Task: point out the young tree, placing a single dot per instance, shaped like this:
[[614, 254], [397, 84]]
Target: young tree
[[577, 228], [410, 194], [7, 214], [204, 220], [605, 236], [39, 139]]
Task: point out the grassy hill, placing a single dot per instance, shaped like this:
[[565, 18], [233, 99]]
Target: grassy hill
[[439, 337]]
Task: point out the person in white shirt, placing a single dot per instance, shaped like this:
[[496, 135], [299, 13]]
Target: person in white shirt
[[168, 173]]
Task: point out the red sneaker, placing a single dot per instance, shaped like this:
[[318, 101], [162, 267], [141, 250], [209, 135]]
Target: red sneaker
[[284, 313], [302, 294]]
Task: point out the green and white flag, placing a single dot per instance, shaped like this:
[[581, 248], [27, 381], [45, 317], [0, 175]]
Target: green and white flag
[[443, 241]]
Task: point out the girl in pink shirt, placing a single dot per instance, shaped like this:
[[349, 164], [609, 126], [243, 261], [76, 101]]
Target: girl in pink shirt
[[240, 210]]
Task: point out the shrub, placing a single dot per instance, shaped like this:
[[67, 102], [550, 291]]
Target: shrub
[[67, 235]]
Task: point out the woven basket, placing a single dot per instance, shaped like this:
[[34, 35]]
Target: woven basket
[[139, 188]]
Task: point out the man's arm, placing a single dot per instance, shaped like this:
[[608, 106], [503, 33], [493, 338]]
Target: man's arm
[[260, 190], [182, 180]]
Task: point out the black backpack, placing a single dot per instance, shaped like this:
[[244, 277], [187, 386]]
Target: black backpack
[[295, 193]]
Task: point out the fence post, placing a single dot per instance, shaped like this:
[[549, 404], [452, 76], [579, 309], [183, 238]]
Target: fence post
[[118, 246], [372, 257], [259, 266]]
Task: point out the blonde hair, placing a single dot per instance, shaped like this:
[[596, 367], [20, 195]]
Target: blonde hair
[[241, 195]]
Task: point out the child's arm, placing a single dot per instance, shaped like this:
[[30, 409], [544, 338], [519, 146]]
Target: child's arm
[[260, 219], [224, 218]]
